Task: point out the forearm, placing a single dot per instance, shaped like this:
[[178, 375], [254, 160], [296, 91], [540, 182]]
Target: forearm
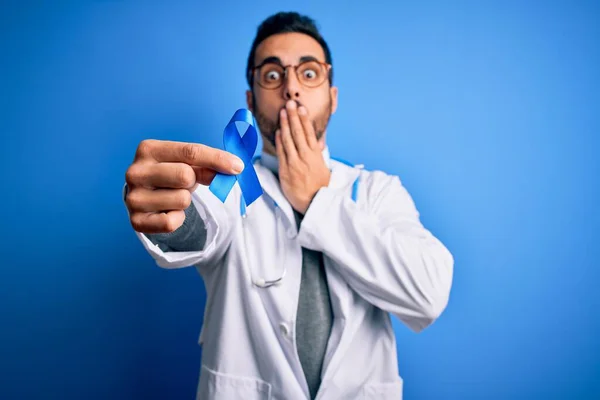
[[387, 258]]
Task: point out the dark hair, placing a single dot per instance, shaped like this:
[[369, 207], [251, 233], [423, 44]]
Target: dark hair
[[287, 22]]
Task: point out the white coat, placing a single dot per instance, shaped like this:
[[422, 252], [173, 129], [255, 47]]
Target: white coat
[[378, 258]]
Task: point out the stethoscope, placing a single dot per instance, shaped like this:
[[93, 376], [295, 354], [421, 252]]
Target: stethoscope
[[266, 283]]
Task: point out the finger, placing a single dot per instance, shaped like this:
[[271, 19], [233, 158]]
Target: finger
[[194, 154], [309, 130], [161, 175], [204, 176], [321, 144], [157, 222], [296, 127], [286, 137], [159, 200], [280, 152]]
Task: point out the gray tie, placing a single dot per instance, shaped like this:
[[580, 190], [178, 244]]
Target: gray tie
[[314, 317]]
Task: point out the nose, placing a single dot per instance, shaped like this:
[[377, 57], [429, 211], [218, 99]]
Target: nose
[[291, 86]]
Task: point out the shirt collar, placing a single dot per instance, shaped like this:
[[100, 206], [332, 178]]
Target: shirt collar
[[272, 163]]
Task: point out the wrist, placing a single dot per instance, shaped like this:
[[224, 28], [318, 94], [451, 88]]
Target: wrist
[[310, 200]]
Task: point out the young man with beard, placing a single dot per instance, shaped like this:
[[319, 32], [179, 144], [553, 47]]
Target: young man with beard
[[301, 284]]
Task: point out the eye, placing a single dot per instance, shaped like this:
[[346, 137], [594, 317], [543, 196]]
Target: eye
[[309, 74], [272, 76]]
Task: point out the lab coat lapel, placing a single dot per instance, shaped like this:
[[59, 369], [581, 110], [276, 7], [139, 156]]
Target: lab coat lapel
[[342, 179], [272, 189], [280, 301]]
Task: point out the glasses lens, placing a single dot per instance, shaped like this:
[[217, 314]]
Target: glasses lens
[[270, 75], [311, 73]]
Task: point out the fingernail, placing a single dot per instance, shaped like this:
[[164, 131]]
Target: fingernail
[[302, 110], [291, 104], [283, 113], [237, 165]]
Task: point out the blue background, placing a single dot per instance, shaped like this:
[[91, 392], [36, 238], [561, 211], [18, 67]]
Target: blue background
[[489, 112]]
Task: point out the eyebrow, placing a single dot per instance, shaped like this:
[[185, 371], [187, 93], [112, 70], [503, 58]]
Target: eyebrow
[[277, 60]]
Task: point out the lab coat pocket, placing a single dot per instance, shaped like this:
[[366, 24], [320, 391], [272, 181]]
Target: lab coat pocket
[[219, 386], [383, 391]]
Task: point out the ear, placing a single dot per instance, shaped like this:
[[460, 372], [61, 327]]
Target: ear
[[333, 92], [249, 100]]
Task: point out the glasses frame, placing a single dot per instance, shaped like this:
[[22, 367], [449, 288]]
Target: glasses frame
[[252, 70]]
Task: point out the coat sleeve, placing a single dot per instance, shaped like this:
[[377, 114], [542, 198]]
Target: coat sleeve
[[217, 219], [381, 249]]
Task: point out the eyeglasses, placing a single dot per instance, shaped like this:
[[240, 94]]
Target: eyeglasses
[[271, 75]]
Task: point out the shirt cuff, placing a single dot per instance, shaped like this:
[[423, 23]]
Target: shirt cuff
[[190, 236]]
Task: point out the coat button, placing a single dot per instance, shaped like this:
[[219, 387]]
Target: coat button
[[285, 331]]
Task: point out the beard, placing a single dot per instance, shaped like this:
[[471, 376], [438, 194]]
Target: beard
[[269, 126]]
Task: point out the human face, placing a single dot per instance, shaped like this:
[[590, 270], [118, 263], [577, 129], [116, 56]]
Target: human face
[[321, 101]]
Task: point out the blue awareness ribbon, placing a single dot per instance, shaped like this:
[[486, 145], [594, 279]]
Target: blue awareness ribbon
[[243, 147]]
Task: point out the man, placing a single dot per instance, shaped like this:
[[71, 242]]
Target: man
[[301, 284]]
